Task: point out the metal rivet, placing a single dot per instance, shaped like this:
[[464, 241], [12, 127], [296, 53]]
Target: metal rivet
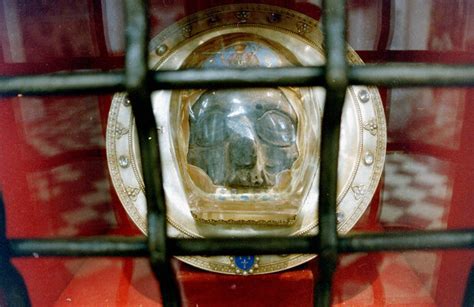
[[127, 102], [340, 217], [161, 49], [123, 161], [364, 96], [274, 18], [368, 158], [213, 20]]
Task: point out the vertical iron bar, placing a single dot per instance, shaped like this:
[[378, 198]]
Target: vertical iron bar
[[336, 84], [138, 88], [12, 287], [469, 292]]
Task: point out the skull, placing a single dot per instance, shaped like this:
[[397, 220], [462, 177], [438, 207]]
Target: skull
[[243, 138]]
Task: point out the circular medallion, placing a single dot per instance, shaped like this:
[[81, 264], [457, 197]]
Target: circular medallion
[[246, 162]]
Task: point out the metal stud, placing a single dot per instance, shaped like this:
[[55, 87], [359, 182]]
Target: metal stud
[[123, 161], [368, 158], [161, 50], [340, 216], [364, 96], [274, 18]]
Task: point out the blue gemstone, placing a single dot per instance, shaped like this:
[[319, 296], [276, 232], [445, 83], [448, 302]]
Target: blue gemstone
[[244, 197], [244, 263]]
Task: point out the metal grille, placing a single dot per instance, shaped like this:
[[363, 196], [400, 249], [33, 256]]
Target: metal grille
[[335, 76]]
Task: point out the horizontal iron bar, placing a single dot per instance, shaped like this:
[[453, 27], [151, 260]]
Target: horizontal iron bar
[[126, 246], [136, 246], [234, 77], [389, 75], [75, 82], [410, 75], [408, 240], [108, 246]]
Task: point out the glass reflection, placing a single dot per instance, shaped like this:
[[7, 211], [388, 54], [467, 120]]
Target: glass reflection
[[243, 138]]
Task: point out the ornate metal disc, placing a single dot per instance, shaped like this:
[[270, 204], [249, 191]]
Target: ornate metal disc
[[256, 35]]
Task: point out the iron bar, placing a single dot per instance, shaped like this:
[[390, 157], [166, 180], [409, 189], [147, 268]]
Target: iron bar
[[239, 77], [407, 240], [412, 75], [469, 291], [335, 77], [388, 75], [77, 82], [98, 246], [139, 91], [137, 246], [12, 286]]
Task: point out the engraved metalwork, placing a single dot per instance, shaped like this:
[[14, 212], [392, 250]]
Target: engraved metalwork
[[186, 30], [371, 126], [359, 191], [132, 192], [262, 42], [120, 131], [303, 27], [242, 16]]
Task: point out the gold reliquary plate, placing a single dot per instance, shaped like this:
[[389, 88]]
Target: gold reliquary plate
[[240, 162]]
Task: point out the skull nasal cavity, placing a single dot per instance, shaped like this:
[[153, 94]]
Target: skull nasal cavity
[[243, 152], [257, 177]]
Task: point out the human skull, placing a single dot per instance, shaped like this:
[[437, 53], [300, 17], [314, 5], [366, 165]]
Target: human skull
[[243, 138]]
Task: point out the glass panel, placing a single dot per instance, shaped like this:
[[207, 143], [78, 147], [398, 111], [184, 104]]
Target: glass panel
[[409, 278], [417, 192], [426, 116], [53, 166]]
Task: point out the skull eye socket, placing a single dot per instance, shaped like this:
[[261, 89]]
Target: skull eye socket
[[210, 129], [276, 128]]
